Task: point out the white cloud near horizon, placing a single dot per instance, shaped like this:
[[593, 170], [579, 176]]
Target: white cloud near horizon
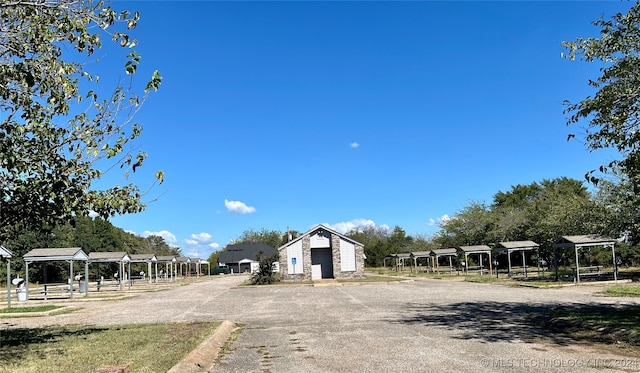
[[354, 145], [345, 227], [168, 237], [238, 207]]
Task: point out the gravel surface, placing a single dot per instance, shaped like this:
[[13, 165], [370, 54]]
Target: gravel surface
[[413, 326]]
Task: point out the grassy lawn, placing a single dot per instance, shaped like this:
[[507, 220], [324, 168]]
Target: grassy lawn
[[144, 347], [608, 326], [622, 291], [28, 309]]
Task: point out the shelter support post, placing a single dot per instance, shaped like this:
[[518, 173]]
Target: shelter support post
[[8, 283], [70, 281], [26, 278]]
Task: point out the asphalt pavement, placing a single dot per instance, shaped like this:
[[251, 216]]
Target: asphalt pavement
[[412, 326]]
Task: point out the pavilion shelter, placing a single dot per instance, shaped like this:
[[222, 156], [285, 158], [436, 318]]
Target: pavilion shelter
[[521, 247], [184, 266], [169, 262], [415, 255], [119, 257], [70, 255], [6, 254], [152, 262], [449, 253], [480, 251], [399, 260], [585, 242], [199, 264]]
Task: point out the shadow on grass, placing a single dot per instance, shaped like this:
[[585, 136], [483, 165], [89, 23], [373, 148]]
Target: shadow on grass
[[506, 322], [16, 343]]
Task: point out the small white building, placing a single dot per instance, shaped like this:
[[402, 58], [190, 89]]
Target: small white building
[[321, 253]]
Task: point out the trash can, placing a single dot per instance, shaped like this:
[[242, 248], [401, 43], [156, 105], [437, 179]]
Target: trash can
[[83, 287], [22, 294]]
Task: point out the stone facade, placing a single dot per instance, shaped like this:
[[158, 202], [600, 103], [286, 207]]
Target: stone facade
[[335, 240]]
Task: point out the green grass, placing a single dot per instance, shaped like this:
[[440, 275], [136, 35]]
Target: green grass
[[29, 309], [622, 291], [603, 325], [144, 347], [371, 278]]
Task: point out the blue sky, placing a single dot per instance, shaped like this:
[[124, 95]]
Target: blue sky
[[288, 114]]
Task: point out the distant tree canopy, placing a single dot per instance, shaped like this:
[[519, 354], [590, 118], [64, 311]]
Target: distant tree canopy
[[541, 212], [90, 234]]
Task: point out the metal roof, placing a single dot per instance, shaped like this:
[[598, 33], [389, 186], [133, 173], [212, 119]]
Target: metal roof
[[139, 258], [5, 253], [516, 245], [106, 256], [166, 258], [53, 254], [583, 240], [183, 259], [474, 249], [439, 252]]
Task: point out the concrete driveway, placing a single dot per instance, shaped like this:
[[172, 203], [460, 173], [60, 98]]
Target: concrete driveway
[[415, 326]]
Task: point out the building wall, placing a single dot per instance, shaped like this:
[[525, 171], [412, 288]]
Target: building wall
[[306, 242]]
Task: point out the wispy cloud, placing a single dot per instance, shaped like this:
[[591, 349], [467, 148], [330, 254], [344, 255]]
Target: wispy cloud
[[237, 207], [354, 145]]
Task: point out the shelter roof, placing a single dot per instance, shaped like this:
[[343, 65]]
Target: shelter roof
[[183, 259], [5, 253], [399, 255], [421, 254], [474, 249], [106, 256], [53, 254], [447, 252], [166, 258], [583, 240], [516, 245], [138, 258]]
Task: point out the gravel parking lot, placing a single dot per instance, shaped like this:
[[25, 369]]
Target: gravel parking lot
[[413, 326]]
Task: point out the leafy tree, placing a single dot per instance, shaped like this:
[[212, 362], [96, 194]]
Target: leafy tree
[[56, 132], [613, 113], [265, 275], [272, 238]]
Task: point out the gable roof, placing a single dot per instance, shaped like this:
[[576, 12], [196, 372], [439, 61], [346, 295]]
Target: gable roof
[[5, 253], [516, 245], [314, 229], [140, 258], [236, 252], [451, 251], [583, 240], [474, 249], [106, 256], [53, 254]]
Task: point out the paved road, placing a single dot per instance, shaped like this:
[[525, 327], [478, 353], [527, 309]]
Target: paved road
[[417, 326]]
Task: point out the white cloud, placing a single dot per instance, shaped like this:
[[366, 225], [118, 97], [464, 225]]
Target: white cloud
[[214, 245], [202, 237], [168, 237], [190, 242], [344, 227], [443, 219], [237, 207], [354, 145]]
